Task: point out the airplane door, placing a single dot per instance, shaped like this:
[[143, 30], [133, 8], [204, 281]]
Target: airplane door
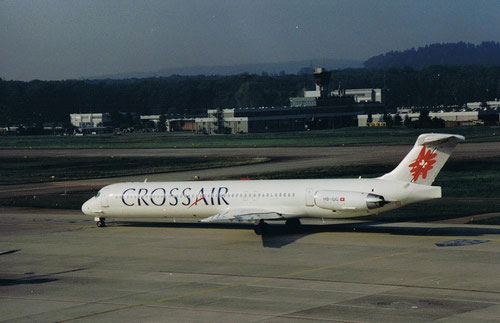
[[104, 200], [310, 197]]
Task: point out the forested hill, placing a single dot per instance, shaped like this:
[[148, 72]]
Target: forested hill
[[485, 54], [41, 101]]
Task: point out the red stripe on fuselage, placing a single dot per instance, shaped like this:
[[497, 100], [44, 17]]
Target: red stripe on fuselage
[[195, 202]]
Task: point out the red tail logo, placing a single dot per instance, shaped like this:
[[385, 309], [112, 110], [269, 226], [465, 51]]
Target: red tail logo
[[422, 164]]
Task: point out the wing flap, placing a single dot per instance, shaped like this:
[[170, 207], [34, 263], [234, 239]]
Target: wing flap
[[245, 215]]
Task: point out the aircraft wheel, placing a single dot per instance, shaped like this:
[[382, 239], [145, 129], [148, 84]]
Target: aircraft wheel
[[260, 228], [101, 223]]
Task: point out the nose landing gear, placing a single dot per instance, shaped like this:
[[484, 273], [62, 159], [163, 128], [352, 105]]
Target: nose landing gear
[[101, 222]]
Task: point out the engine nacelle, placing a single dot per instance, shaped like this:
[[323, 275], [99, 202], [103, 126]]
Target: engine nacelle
[[348, 201]]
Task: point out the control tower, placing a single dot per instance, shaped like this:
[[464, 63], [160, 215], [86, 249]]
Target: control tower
[[322, 79]]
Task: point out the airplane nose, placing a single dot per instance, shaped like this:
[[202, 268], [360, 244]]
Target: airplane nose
[[86, 207]]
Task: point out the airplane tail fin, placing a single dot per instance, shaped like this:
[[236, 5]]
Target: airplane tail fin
[[425, 160]]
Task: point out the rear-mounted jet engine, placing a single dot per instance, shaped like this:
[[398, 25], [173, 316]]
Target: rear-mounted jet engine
[[345, 200]]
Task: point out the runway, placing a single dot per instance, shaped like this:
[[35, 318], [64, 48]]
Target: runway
[[60, 267], [467, 149]]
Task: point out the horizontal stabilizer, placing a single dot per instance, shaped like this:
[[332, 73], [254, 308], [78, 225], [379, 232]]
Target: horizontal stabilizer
[[436, 139], [244, 215]]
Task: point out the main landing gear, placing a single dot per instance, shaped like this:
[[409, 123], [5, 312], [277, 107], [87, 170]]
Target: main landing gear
[[260, 228], [101, 222], [292, 225]]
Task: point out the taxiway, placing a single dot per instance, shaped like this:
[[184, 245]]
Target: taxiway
[[60, 267], [287, 159]]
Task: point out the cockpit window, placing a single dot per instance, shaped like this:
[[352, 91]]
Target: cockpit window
[[98, 193]]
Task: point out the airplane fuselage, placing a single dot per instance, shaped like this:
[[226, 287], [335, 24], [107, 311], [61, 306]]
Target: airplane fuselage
[[322, 198]]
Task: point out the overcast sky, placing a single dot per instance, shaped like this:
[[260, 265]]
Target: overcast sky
[[61, 39]]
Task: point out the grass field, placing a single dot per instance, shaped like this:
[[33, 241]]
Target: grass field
[[15, 170], [490, 221], [335, 137]]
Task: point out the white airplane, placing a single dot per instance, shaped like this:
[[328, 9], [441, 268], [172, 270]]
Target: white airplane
[[258, 201]]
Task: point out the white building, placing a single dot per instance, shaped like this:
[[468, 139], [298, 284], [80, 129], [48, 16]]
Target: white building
[[361, 95], [224, 118], [171, 124], [154, 118], [90, 120], [313, 94], [303, 101], [459, 117], [477, 105]]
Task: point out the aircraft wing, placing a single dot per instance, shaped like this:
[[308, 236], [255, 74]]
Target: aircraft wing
[[245, 215]]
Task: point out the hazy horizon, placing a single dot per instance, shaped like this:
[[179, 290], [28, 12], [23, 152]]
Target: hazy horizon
[[68, 39]]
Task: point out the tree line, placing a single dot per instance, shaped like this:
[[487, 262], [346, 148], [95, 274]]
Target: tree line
[[53, 101], [485, 54], [43, 101]]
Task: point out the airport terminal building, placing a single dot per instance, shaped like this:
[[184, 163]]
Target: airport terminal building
[[287, 118], [91, 122], [320, 108], [317, 109]]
